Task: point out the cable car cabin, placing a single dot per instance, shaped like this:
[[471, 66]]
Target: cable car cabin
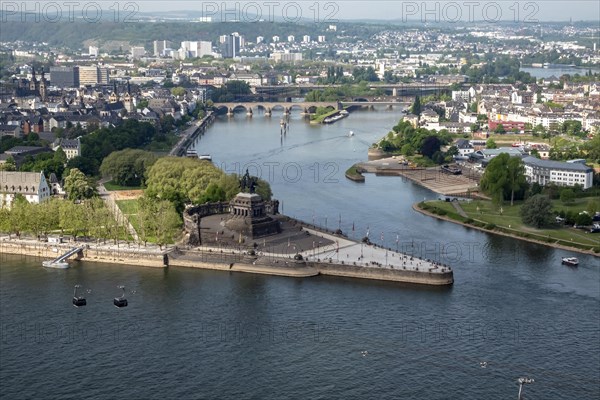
[[79, 301], [120, 302]]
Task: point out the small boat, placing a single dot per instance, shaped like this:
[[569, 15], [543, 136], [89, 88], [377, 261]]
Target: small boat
[[57, 265], [205, 157], [570, 261], [351, 133]]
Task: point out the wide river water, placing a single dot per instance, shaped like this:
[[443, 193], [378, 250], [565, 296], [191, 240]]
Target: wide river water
[[514, 310]]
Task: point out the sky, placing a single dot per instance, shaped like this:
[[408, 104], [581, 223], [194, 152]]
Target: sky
[[458, 11], [432, 11]]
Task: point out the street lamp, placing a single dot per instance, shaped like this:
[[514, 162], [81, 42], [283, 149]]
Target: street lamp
[[523, 381]]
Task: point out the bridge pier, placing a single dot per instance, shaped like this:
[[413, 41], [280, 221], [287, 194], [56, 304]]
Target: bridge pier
[[249, 112], [395, 92], [79, 255], [286, 111], [230, 112], [305, 112], [268, 112]]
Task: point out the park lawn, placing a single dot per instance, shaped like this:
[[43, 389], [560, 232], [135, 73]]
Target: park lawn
[[111, 187], [577, 206], [128, 207], [510, 221]]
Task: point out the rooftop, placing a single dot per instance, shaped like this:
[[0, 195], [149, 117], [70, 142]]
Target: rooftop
[[556, 164]]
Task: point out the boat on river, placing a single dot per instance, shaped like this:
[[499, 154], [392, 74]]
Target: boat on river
[[570, 261], [57, 265]]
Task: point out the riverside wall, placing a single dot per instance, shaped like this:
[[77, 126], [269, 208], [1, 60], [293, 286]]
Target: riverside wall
[[138, 257], [384, 274], [230, 263]]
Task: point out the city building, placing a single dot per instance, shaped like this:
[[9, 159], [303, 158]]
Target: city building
[[306, 38], [64, 77], [31, 185], [321, 39], [291, 38], [231, 45], [160, 46], [93, 51], [137, 52], [560, 173], [260, 39], [88, 75], [71, 147], [286, 57]]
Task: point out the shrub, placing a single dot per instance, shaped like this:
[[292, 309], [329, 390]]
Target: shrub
[[469, 220], [490, 226]]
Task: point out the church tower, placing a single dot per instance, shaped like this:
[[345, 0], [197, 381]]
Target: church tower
[[33, 83], [113, 98], [43, 87]]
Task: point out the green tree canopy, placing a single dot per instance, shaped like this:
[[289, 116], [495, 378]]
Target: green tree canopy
[[537, 211], [504, 178], [78, 186], [567, 196], [128, 167], [491, 144]]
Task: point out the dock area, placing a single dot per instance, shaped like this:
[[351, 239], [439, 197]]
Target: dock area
[[432, 178]]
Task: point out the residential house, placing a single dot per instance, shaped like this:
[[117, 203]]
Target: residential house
[[31, 185]]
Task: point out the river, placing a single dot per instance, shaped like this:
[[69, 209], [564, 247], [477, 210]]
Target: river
[[557, 71], [514, 310]]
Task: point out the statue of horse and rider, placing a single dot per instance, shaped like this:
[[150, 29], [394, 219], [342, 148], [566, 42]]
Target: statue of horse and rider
[[248, 183]]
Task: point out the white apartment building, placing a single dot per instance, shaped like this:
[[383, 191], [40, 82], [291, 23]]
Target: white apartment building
[[560, 173]]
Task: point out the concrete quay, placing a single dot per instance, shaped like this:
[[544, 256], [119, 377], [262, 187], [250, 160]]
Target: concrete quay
[[431, 178]]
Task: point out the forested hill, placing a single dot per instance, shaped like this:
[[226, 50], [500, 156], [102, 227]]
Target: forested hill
[[74, 34]]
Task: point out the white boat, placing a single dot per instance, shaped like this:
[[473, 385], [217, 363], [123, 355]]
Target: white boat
[[205, 157], [570, 261], [351, 133], [57, 265]]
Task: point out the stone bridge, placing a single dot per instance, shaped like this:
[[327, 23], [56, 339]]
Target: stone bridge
[[305, 107]]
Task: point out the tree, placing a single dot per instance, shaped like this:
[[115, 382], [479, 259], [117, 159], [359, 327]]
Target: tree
[[78, 186], [537, 211], [178, 91], [491, 144], [452, 151], [567, 196], [407, 150], [583, 219], [168, 222], [416, 107], [516, 176], [9, 165], [430, 146], [500, 129], [127, 167]]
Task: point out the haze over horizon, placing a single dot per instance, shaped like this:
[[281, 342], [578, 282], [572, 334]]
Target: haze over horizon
[[458, 11], [428, 11]]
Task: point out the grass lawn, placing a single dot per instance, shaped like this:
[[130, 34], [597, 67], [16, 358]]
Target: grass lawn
[[111, 186], [128, 207], [509, 221]]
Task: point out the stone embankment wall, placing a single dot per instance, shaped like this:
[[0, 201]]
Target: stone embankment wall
[[384, 274], [125, 256]]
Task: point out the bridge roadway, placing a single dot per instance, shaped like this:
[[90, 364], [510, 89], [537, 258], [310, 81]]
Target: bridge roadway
[[397, 89], [305, 107]]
